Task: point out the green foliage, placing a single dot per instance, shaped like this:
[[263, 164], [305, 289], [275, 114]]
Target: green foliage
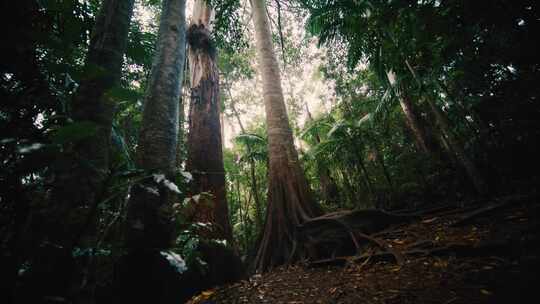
[[74, 132], [236, 65], [455, 53], [254, 147], [229, 26], [249, 151], [477, 61]]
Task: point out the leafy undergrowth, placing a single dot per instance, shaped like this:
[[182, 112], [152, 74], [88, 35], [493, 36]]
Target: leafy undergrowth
[[472, 254]]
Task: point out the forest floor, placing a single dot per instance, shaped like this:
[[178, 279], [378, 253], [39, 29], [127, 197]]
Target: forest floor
[[474, 253]]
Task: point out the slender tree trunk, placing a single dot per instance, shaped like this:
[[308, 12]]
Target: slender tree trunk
[[248, 221], [365, 175], [448, 149], [241, 210], [255, 191], [412, 119], [149, 215], [329, 188], [205, 156], [380, 160], [454, 143], [253, 176], [474, 126], [459, 151], [348, 186], [289, 199], [422, 140]]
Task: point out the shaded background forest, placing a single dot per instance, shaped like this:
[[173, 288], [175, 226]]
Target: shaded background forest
[[423, 102]]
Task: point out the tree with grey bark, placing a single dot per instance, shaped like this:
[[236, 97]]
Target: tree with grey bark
[[149, 220]]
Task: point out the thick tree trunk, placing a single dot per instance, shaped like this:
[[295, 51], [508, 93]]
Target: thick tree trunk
[[289, 199], [149, 216], [81, 171], [205, 156], [181, 144]]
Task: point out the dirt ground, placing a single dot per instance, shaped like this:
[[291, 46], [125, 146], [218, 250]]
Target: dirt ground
[[474, 253]]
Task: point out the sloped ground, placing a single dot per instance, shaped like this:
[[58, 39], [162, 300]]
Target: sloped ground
[[488, 253]]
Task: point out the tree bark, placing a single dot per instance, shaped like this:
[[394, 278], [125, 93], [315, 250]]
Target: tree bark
[[81, 171], [149, 217], [289, 199], [415, 125], [412, 119], [181, 144], [205, 156]]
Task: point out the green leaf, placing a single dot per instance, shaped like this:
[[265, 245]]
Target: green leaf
[[74, 132], [119, 94]]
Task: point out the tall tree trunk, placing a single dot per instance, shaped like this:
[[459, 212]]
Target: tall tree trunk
[[365, 175], [380, 159], [205, 156], [289, 199], [241, 210], [414, 124], [81, 170], [181, 144], [256, 196], [412, 119], [149, 216], [457, 146]]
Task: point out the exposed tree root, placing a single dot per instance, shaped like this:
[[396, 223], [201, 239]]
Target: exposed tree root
[[501, 204], [341, 237], [346, 232], [383, 245], [458, 250]]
